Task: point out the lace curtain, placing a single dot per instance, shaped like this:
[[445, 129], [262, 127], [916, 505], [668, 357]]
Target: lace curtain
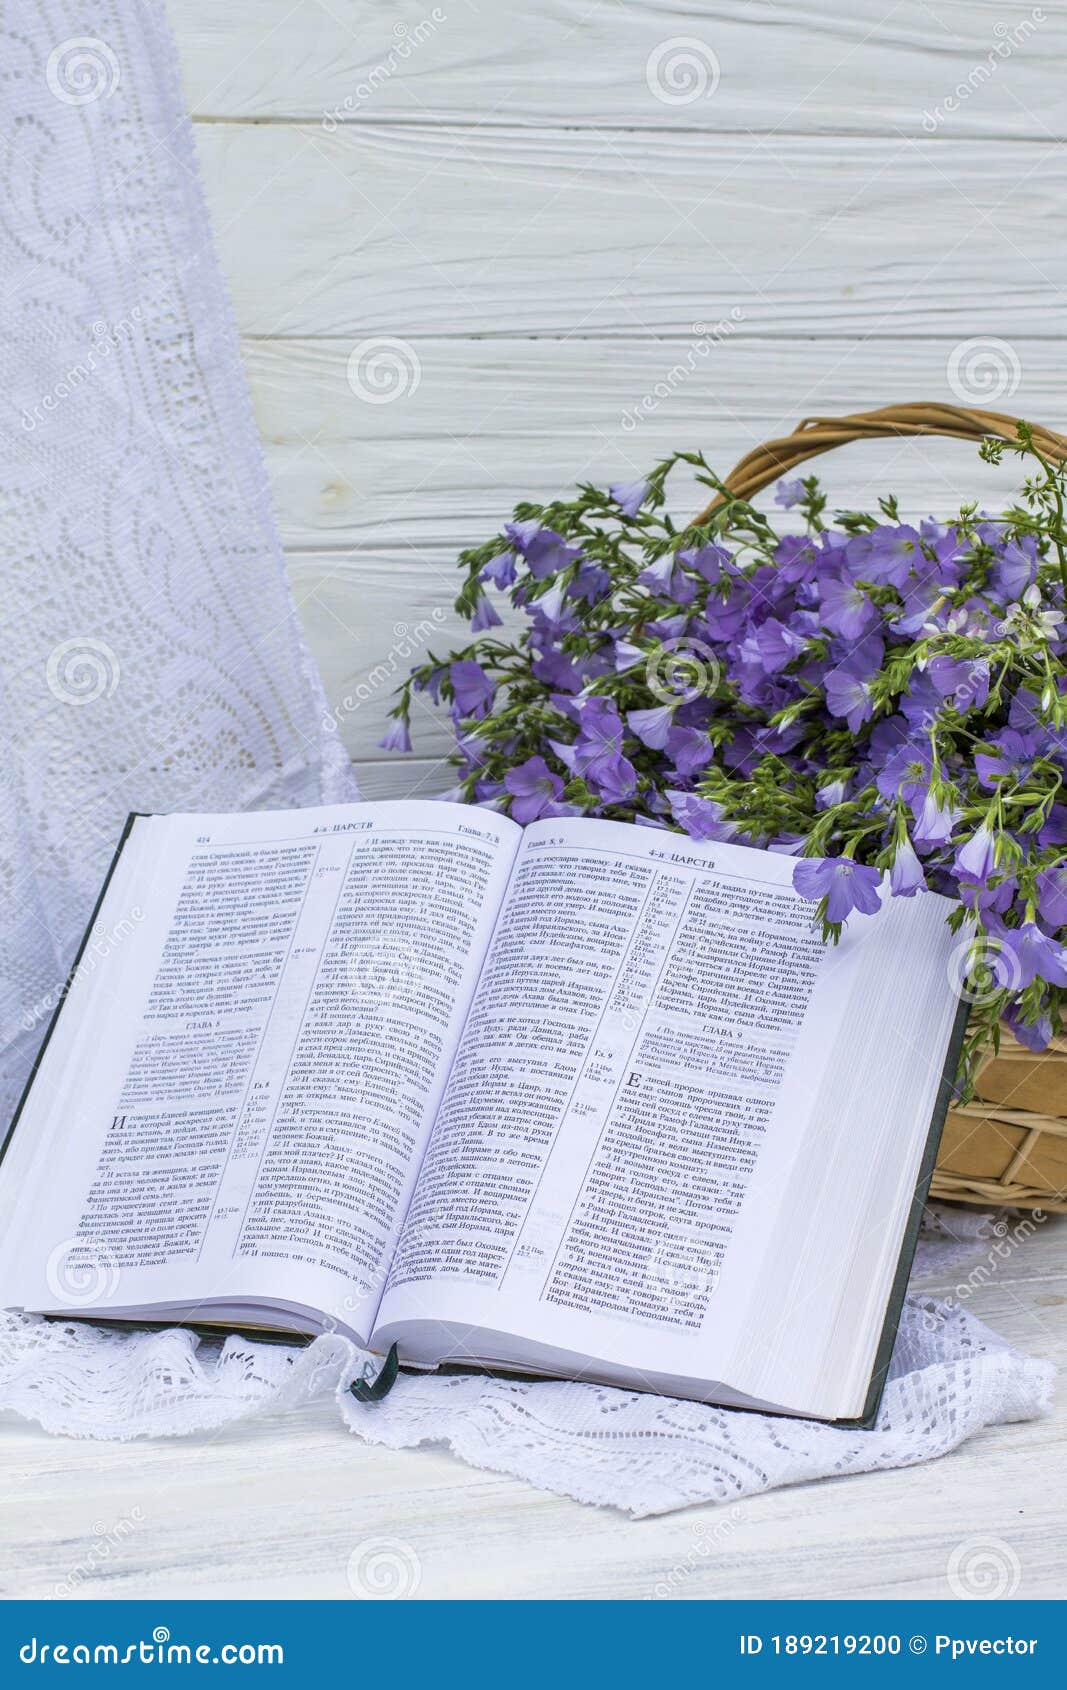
[[151, 657]]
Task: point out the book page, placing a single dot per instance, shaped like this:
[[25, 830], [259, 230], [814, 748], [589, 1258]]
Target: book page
[[649, 1033], [237, 1108]]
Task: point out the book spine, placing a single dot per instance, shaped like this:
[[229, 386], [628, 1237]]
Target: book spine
[[945, 1094], [54, 1019]]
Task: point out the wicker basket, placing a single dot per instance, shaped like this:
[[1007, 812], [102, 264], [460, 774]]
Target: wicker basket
[[1009, 1145]]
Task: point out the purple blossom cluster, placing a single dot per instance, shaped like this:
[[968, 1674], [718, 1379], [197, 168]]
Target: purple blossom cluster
[[885, 702]]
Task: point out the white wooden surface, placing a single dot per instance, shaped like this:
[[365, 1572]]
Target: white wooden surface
[[276, 1508], [551, 243]]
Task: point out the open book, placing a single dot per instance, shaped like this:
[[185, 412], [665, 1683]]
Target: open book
[[586, 1099]]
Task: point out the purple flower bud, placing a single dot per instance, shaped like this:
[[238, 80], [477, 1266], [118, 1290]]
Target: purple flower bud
[[432, 683], [397, 738], [832, 793], [906, 874], [667, 581], [1015, 569], [484, 615], [997, 898], [934, 821], [551, 614], [1036, 1035], [629, 495], [500, 570], [976, 858], [786, 844], [522, 534]]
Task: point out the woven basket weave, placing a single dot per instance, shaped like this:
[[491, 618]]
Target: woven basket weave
[[1009, 1145]]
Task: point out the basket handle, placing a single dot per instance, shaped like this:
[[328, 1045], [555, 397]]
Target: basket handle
[[766, 463]]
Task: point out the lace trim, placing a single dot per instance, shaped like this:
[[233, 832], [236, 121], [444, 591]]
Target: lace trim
[[950, 1377]]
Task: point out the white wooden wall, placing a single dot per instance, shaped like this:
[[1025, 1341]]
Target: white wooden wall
[[548, 239]]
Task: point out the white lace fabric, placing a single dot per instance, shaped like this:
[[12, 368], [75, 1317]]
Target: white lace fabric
[[629, 1450], [649, 1455], [152, 661], [151, 656]]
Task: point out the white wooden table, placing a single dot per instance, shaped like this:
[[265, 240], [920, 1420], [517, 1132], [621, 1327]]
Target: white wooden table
[[544, 242], [275, 1508]]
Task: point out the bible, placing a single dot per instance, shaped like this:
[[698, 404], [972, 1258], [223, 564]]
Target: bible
[[585, 1099]]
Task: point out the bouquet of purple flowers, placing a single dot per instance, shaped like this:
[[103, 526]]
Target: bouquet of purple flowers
[[870, 697]]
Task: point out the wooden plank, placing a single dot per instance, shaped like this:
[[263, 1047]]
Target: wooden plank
[[408, 231], [864, 69], [882, 1534], [474, 426], [368, 620], [403, 777]]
